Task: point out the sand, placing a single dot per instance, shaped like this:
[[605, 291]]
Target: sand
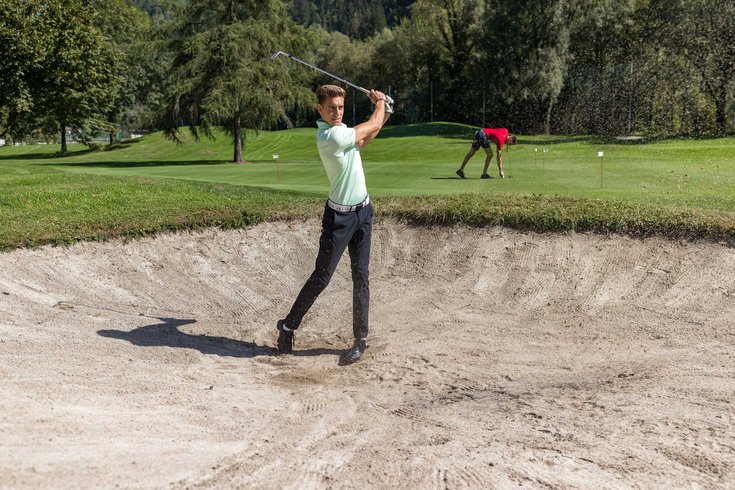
[[496, 359]]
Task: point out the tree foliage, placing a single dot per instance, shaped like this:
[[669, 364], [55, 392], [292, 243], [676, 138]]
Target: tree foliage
[[568, 66], [64, 70], [22, 51], [702, 34], [357, 19], [221, 72]]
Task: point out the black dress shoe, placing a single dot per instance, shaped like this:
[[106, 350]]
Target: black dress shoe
[[354, 353], [285, 339]]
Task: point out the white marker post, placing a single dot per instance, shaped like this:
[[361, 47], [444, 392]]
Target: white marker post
[[601, 155], [278, 168], [507, 161], [543, 170], [535, 156]]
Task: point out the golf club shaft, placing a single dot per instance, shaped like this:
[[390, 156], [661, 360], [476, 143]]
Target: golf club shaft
[[363, 90], [388, 99]]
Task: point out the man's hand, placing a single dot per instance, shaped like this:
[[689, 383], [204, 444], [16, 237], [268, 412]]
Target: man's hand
[[367, 131], [389, 104], [375, 96]]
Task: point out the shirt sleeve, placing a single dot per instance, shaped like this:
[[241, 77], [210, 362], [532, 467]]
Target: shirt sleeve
[[343, 137]]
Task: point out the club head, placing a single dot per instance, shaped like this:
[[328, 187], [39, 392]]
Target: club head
[[273, 56]]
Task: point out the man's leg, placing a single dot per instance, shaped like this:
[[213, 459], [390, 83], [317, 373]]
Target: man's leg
[[488, 158], [467, 157], [359, 249], [337, 229], [360, 261]]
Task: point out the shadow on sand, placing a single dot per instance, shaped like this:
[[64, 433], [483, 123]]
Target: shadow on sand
[[167, 334]]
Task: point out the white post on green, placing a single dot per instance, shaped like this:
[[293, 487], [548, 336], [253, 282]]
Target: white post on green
[[506, 161], [543, 170], [278, 168], [601, 156]]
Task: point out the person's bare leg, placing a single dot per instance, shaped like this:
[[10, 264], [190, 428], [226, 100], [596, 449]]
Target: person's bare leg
[[467, 157], [488, 158]]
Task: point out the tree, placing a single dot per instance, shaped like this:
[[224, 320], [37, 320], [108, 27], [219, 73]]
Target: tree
[[138, 64], [80, 78], [221, 72], [600, 90], [406, 59], [524, 58], [448, 31], [62, 73], [357, 19], [703, 33], [23, 47]]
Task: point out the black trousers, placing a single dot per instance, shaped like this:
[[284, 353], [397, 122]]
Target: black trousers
[[340, 231]]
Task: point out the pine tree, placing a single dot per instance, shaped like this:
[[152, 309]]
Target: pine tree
[[222, 74]]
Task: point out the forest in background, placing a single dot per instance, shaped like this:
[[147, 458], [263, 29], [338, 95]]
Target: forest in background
[[644, 67]]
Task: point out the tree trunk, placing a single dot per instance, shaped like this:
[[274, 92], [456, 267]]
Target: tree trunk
[[547, 119], [237, 133], [112, 137], [63, 138]]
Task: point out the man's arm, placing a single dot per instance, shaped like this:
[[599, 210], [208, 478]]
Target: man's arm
[[367, 131], [363, 143]]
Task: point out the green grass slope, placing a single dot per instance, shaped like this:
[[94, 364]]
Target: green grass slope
[[683, 188]]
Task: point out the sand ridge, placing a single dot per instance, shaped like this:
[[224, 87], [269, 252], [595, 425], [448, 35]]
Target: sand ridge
[[497, 358]]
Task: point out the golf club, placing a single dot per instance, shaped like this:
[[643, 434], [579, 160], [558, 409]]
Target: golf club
[[361, 89]]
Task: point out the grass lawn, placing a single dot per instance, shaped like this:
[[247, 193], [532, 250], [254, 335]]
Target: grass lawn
[[679, 187]]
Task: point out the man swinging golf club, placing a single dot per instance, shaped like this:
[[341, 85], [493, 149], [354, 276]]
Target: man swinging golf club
[[483, 137], [348, 215]]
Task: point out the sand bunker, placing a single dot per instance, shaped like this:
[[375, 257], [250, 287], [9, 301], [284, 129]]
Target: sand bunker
[[496, 359]]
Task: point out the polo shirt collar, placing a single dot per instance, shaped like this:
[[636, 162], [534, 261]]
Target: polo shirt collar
[[322, 124]]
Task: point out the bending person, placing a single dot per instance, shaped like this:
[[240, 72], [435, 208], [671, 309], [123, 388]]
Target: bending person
[[500, 137]]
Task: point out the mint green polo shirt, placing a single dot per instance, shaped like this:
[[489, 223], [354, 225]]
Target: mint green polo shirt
[[341, 158]]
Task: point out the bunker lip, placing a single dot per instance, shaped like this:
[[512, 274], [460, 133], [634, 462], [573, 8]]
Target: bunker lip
[[496, 358]]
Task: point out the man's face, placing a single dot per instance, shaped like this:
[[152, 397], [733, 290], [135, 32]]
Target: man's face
[[332, 110]]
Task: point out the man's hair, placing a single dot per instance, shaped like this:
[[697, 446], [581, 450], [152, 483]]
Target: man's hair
[[512, 139], [325, 92]]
